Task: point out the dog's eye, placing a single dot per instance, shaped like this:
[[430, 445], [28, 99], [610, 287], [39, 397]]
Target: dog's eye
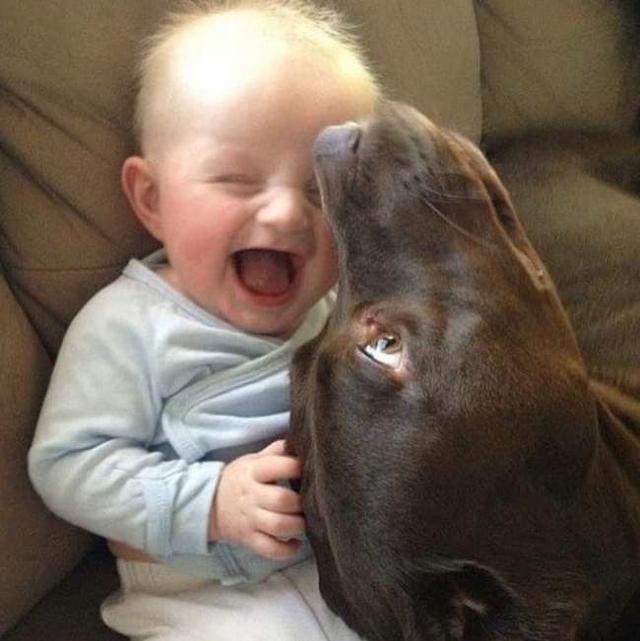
[[385, 349]]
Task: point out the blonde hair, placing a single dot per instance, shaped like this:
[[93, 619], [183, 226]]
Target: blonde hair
[[294, 23]]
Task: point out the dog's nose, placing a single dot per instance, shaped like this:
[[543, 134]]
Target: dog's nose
[[337, 139]]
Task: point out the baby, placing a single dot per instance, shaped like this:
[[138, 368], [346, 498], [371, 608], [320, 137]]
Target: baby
[[162, 427]]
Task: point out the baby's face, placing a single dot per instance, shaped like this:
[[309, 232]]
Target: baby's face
[[240, 210]]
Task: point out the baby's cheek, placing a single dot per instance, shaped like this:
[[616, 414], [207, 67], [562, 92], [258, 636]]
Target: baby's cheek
[[191, 249]]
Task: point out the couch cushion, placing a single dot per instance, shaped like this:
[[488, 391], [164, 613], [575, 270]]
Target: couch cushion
[[71, 612], [427, 54], [64, 111], [557, 64], [579, 199], [36, 549]]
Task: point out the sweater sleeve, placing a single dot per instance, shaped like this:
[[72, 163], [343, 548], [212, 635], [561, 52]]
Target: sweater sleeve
[[90, 459]]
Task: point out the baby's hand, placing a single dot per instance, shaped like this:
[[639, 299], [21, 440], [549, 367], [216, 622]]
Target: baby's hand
[[250, 509]]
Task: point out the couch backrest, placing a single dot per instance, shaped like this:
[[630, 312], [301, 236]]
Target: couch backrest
[[558, 65], [66, 230]]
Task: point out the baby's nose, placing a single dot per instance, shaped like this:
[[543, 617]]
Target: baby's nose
[[287, 211]]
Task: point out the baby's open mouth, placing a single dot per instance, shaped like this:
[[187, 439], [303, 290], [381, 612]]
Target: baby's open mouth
[[265, 272]]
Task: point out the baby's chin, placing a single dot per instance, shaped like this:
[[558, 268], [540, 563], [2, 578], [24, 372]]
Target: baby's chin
[[275, 325]]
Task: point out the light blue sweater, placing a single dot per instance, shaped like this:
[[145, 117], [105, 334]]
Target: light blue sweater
[[150, 396]]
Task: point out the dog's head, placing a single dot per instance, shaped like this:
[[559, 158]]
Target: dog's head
[[442, 413]]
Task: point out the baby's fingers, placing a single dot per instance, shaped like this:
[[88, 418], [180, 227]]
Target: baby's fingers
[[282, 526], [279, 499], [273, 468], [272, 548]]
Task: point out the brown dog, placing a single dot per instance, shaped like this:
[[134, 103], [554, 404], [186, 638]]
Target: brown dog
[[463, 479]]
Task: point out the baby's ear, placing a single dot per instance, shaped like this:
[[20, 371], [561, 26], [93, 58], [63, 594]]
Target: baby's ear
[[139, 185]]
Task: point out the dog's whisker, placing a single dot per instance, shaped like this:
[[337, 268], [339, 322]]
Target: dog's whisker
[[450, 196], [461, 230]]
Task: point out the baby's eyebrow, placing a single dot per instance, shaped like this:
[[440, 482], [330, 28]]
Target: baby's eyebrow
[[225, 159]]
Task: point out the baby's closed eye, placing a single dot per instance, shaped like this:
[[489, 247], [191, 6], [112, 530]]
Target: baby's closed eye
[[240, 184]]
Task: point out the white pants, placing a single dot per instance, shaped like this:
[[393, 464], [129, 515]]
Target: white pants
[[157, 603]]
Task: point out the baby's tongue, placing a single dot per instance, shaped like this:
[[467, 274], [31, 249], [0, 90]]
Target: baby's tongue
[[264, 271]]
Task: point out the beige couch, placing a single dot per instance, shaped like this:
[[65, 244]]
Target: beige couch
[[516, 74]]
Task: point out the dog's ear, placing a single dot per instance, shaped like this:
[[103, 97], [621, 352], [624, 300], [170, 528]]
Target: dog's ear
[[469, 602], [506, 218]]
